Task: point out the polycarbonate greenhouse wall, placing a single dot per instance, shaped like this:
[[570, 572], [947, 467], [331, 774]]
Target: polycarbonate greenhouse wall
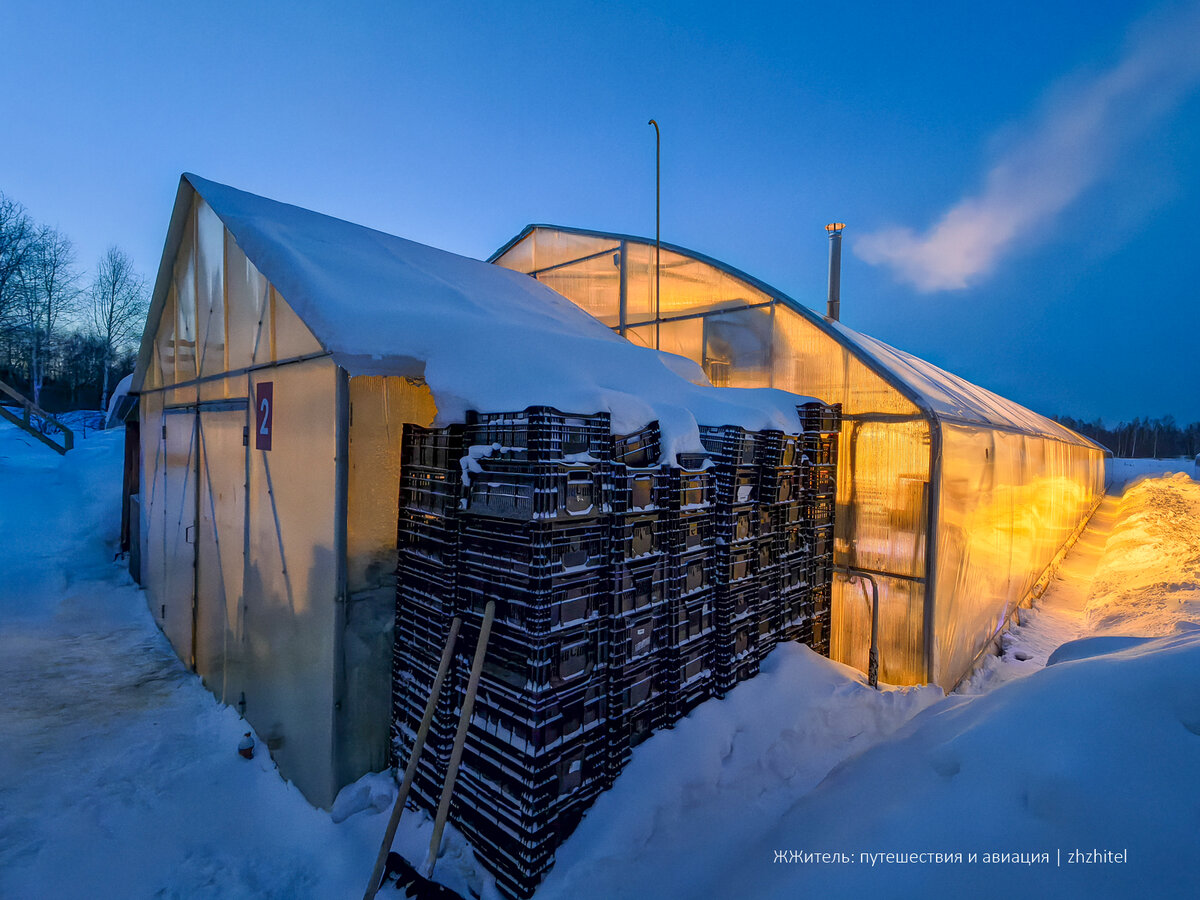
[[956, 500]]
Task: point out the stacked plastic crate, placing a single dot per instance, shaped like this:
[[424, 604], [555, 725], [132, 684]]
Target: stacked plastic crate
[[426, 600], [626, 593], [689, 658], [740, 594], [639, 700], [534, 539], [819, 445]]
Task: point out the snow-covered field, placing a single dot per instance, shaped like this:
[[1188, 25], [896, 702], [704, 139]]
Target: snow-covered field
[[119, 776]]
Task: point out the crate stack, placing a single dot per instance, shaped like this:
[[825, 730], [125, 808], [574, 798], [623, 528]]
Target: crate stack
[[740, 595], [639, 629], [626, 593], [690, 655], [821, 424], [426, 599], [535, 540]]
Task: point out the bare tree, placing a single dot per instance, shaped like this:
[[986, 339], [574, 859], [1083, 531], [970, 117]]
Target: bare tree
[[49, 282], [17, 233], [116, 308]]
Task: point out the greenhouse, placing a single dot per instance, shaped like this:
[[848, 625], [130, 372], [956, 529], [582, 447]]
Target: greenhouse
[[955, 500]]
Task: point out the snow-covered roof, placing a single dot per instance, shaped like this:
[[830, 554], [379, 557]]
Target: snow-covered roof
[[483, 337], [952, 398]]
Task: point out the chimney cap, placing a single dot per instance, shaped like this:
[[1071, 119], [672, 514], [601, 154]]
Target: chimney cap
[[835, 227]]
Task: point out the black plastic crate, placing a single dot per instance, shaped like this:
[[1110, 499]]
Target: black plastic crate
[[730, 444], [736, 655], [820, 417], [740, 523], [736, 485], [688, 672], [818, 510], [820, 478], [642, 536], [549, 490], [781, 484], [541, 434], [782, 515], [692, 571], [536, 606], [641, 448], [732, 603], [692, 530], [640, 490], [820, 632], [796, 607], [533, 721], [522, 552], [639, 585], [432, 448], [820, 449], [691, 619], [434, 537], [736, 563], [437, 491], [636, 638], [778, 448], [517, 829], [528, 663], [691, 487]]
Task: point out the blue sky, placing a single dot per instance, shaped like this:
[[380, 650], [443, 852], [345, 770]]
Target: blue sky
[[1019, 179]]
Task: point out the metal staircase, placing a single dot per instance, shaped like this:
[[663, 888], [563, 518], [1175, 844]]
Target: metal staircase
[[35, 420]]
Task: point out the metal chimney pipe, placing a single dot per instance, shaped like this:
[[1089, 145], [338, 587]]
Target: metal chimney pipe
[[833, 309]]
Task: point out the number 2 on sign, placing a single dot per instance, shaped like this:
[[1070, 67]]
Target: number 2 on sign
[[264, 414]]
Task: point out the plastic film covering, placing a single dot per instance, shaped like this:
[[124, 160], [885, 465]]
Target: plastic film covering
[[220, 547], [1008, 504], [688, 286], [210, 289], [737, 347], [901, 627], [152, 472], [380, 405], [291, 336], [809, 361], [767, 345], [593, 283], [881, 525], [164, 341], [185, 304], [249, 309], [291, 575]]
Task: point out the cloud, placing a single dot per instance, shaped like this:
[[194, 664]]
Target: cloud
[[1073, 141]]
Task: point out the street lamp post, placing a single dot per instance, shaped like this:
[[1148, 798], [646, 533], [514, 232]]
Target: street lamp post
[[657, 223]]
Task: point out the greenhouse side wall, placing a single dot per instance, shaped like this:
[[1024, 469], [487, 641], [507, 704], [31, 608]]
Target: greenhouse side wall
[[1009, 502]]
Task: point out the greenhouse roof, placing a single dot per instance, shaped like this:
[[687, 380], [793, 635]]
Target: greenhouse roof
[[483, 337], [940, 394]]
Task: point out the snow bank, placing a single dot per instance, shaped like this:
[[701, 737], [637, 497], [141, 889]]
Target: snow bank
[[693, 794], [482, 336], [1149, 579], [1098, 754]]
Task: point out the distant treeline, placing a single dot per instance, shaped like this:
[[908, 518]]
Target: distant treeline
[[66, 336], [1146, 438]]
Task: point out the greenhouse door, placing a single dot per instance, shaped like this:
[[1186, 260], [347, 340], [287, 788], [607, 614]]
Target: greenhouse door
[[220, 543], [176, 604]]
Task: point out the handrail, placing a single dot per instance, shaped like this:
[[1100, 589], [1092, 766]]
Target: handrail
[[35, 420]]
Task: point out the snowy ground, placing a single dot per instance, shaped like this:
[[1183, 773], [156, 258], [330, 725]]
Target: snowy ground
[[118, 776]]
